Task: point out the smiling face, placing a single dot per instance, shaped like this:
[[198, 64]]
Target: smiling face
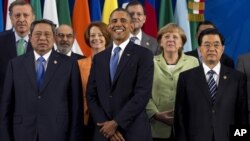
[[96, 40], [21, 19], [120, 26], [42, 38]]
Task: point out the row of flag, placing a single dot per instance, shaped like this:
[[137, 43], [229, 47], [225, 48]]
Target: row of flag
[[85, 11]]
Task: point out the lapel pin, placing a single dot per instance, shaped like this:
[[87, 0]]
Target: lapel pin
[[55, 62], [128, 54], [225, 77], [147, 43]]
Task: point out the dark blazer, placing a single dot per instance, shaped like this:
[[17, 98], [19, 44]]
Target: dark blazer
[[125, 99], [196, 118], [75, 56], [226, 60], [243, 66], [52, 114], [150, 43], [7, 52]]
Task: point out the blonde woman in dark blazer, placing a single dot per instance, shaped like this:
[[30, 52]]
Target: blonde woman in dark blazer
[[167, 67]]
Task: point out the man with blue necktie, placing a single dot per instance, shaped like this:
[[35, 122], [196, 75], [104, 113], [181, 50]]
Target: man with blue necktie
[[120, 85], [42, 97]]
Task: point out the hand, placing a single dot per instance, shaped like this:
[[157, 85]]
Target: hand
[[165, 117], [117, 137], [108, 128]]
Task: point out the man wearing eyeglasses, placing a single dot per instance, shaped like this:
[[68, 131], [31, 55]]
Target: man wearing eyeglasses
[[210, 97], [64, 40]]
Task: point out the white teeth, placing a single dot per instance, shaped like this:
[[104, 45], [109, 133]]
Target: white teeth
[[118, 30]]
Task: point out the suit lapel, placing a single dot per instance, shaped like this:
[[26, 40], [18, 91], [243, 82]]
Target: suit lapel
[[223, 80], [53, 63], [128, 52], [29, 64], [202, 83], [106, 68]]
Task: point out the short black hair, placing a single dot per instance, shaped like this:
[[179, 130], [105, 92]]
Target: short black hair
[[45, 21], [135, 2], [204, 23], [210, 31], [120, 9]]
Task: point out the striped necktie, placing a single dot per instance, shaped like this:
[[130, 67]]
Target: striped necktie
[[114, 62], [212, 86]]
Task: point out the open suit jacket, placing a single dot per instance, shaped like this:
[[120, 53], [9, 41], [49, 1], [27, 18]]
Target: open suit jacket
[[7, 52], [196, 118], [125, 99], [225, 60], [243, 66], [150, 43], [53, 113]]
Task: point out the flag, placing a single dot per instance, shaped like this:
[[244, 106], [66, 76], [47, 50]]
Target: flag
[[8, 22], [36, 5], [95, 10], [1, 17], [63, 12], [80, 21], [166, 13], [233, 24], [109, 6], [125, 3], [181, 18], [50, 11], [150, 26]]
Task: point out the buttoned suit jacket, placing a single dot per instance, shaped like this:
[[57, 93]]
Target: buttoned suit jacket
[[243, 65], [196, 118], [7, 52], [53, 113], [150, 43], [226, 60], [125, 99], [76, 56]]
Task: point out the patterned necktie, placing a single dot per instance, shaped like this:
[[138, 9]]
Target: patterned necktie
[[133, 39], [212, 86], [40, 71], [114, 62], [20, 47]]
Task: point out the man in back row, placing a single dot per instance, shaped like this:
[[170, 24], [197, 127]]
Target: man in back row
[[226, 60]]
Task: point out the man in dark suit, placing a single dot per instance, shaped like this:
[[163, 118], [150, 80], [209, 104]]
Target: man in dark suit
[[243, 66], [15, 42], [225, 59], [135, 8], [64, 40], [42, 97], [210, 97], [117, 97]]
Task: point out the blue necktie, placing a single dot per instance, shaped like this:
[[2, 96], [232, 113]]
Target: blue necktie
[[40, 71], [114, 62], [212, 86]]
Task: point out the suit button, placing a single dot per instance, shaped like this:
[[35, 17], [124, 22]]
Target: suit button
[[110, 96], [39, 97], [171, 78], [213, 111]]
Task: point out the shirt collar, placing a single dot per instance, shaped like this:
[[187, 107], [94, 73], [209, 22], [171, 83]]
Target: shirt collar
[[26, 38], [45, 56], [122, 45], [139, 35], [216, 68]]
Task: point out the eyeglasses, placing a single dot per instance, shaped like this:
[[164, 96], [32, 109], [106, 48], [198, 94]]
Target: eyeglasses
[[208, 45], [61, 35]]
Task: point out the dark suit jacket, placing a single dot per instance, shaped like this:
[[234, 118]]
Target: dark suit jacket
[[225, 60], [196, 118], [7, 52], [150, 43], [52, 114], [243, 65], [75, 56], [124, 100]]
